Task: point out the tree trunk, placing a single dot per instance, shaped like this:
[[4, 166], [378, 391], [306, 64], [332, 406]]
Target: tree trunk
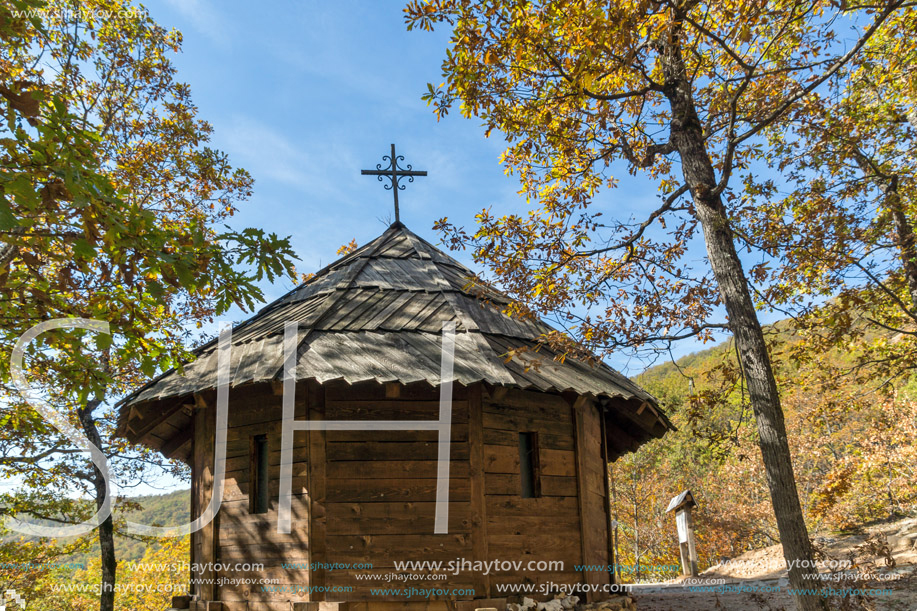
[[636, 529], [106, 529], [688, 139], [614, 502], [9, 250], [912, 116], [904, 237]]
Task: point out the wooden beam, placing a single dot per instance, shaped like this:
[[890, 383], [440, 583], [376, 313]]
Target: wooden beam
[[619, 440], [317, 493], [133, 415], [645, 421], [195, 510], [612, 560], [476, 472], [204, 432], [579, 430], [177, 442], [392, 390], [200, 402], [162, 417]]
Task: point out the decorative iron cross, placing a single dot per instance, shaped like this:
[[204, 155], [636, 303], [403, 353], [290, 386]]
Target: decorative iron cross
[[395, 173]]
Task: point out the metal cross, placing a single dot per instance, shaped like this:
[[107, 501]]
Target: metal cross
[[395, 173]]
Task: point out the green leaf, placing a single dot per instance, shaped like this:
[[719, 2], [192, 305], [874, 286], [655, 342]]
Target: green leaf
[[84, 249], [7, 219], [103, 341]]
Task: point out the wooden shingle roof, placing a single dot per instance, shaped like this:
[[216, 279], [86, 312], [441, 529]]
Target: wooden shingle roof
[[377, 314]]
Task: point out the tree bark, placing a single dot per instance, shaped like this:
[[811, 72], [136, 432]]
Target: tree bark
[[9, 250], [912, 116], [688, 137], [614, 502], [636, 508], [904, 237], [106, 529]]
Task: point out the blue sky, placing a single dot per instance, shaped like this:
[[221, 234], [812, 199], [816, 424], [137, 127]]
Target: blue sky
[[305, 95]]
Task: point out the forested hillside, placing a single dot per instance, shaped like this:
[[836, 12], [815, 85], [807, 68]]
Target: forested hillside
[[853, 455], [167, 509], [851, 434], [161, 510], [853, 449]]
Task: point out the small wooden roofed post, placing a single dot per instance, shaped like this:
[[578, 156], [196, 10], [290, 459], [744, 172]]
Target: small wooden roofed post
[[374, 318], [682, 506]]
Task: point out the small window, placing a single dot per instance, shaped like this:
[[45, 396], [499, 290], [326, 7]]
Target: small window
[[258, 495], [528, 465]]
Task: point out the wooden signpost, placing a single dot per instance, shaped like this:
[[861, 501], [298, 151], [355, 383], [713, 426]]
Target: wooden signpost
[[682, 506]]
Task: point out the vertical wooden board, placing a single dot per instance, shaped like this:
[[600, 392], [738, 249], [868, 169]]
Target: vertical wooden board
[[303, 439], [591, 506], [598, 500], [204, 432], [476, 470], [579, 425], [195, 508], [317, 496]]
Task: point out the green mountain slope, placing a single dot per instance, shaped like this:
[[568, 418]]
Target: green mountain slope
[[168, 509]]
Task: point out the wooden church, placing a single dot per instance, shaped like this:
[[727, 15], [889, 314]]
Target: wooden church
[[529, 445]]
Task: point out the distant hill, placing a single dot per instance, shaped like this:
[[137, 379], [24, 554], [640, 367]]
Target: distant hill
[[168, 509]]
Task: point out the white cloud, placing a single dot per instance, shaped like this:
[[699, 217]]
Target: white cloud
[[270, 155], [206, 19]]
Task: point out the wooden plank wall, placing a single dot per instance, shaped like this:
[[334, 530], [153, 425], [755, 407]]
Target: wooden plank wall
[[543, 528], [243, 537], [591, 474], [369, 496], [380, 487]]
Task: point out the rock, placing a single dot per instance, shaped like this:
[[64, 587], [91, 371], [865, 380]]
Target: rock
[[615, 603], [907, 528], [898, 543]]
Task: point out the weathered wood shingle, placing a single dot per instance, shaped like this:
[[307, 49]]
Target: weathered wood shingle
[[377, 314]]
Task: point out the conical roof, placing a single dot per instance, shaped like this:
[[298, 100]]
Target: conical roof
[[377, 314]]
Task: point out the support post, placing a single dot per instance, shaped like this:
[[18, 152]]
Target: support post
[[682, 506]]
